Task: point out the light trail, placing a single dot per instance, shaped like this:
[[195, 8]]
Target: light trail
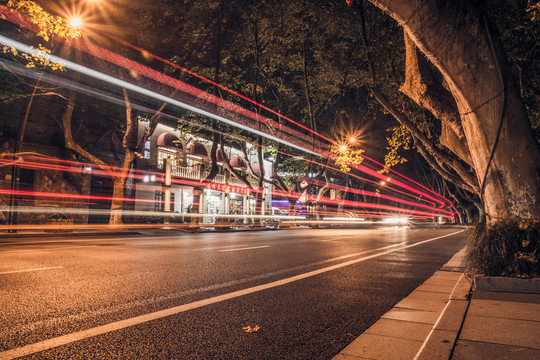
[[79, 168], [92, 49], [377, 195], [143, 91], [135, 88], [348, 203], [215, 84], [403, 176], [266, 108], [132, 66], [370, 181]]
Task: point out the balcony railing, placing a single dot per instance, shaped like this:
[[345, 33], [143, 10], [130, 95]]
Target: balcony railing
[[190, 173], [195, 173]]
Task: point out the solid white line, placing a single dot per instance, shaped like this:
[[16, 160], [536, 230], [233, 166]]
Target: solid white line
[[332, 239], [51, 249], [246, 248], [157, 243], [219, 247], [118, 325], [28, 270]]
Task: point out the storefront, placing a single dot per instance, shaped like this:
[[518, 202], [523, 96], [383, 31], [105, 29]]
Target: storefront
[[237, 204], [214, 205], [221, 199]]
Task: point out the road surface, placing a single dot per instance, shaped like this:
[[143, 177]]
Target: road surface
[[286, 294]]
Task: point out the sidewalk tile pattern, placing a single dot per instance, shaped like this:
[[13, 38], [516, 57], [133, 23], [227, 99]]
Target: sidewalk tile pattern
[[401, 332]]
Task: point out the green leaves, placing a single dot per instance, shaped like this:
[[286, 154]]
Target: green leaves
[[400, 140], [49, 26], [346, 157]]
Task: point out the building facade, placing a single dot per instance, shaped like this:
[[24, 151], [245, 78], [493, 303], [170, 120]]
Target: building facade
[[189, 159]]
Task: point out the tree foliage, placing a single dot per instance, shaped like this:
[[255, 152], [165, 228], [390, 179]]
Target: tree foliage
[[48, 26]]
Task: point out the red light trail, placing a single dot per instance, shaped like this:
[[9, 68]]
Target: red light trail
[[80, 168], [163, 79]]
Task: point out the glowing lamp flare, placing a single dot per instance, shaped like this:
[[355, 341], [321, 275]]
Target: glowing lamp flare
[[75, 22]]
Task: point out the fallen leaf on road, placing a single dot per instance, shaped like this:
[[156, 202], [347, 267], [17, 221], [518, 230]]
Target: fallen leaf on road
[[250, 329]]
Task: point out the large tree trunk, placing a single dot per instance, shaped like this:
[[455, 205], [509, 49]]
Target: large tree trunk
[[456, 39]]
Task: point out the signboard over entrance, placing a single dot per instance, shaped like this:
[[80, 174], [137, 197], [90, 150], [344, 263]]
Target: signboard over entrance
[[228, 188]]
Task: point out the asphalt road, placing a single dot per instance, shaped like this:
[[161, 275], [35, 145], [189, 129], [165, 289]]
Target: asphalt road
[[286, 294]]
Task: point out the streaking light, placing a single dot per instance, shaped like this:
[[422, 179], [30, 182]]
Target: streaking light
[[111, 80], [396, 220]]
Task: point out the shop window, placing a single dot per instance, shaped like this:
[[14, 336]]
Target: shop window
[[159, 201]]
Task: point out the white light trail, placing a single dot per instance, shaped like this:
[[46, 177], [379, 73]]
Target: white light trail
[[124, 84]]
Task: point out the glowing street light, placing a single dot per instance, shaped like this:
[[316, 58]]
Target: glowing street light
[[75, 22], [343, 148]]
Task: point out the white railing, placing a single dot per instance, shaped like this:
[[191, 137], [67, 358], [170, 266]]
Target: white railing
[[195, 173], [190, 173]]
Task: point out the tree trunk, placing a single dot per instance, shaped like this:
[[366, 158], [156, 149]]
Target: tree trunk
[[117, 201], [456, 39], [468, 212], [260, 183], [322, 191]]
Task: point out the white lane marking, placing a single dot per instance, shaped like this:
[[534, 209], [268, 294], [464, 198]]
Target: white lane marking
[[29, 270], [246, 248], [156, 243], [52, 249], [219, 247], [332, 239], [122, 324]]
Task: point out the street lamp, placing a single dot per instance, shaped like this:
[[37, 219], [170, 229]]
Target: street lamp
[[75, 22]]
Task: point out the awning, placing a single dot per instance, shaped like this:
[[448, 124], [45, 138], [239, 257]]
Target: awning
[[196, 149], [238, 162], [169, 141]]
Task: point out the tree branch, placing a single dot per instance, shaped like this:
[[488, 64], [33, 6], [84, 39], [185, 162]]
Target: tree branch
[[228, 166], [421, 86], [439, 169], [68, 137], [440, 156]]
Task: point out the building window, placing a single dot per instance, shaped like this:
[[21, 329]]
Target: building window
[[164, 154]]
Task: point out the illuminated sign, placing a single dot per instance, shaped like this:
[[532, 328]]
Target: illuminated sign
[[228, 188]]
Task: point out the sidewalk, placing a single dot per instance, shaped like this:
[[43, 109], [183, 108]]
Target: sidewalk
[[438, 320]]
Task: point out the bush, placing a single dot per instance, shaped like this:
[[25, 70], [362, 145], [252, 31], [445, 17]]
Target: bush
[[504, 249]]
